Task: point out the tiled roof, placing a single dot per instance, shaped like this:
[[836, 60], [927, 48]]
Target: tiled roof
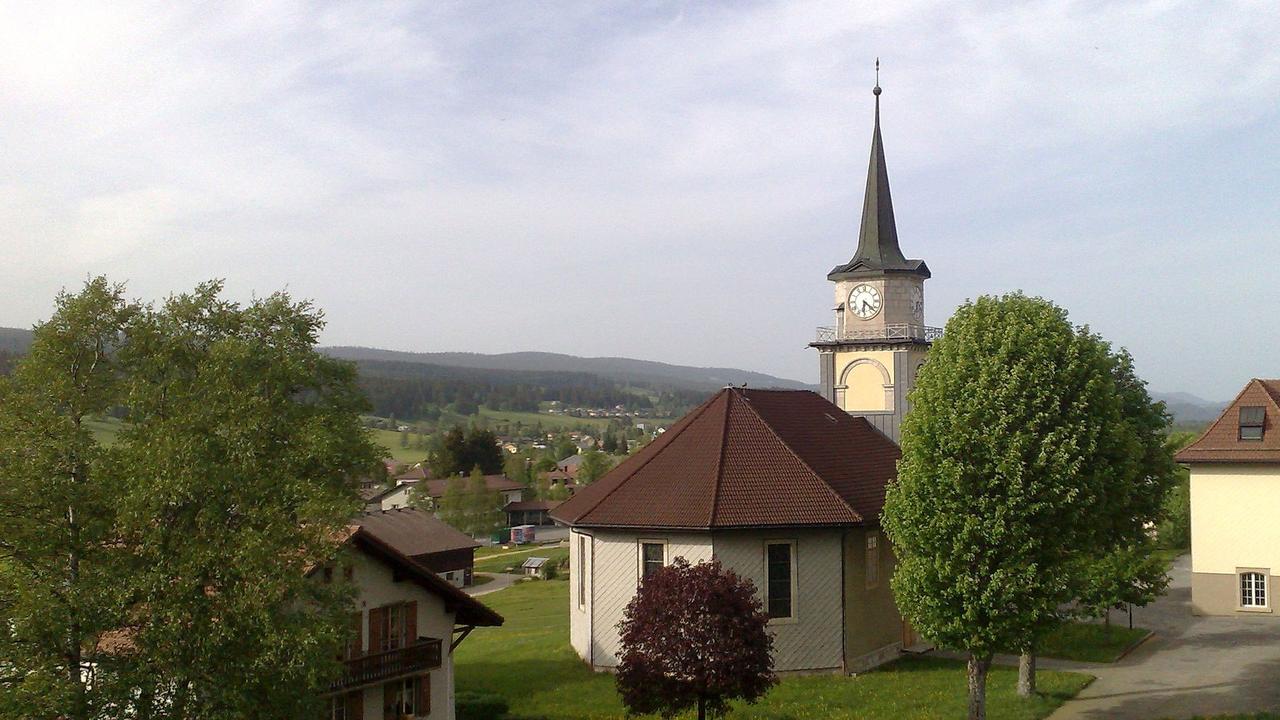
[[747, 458], [499, 483], [1221, 443], [414, 532]]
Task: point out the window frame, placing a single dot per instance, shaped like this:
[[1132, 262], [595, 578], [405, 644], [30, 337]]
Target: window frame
[[1259, 424], [794, 580], [1265, 574], [640, 543], [581, 567], [871, 558]]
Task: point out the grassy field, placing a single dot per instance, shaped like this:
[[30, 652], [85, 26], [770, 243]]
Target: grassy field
[[500, 564], [1089, 642], [529, 662], [104, 430]]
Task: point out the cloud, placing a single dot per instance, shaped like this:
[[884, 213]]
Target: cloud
[[668, 180]]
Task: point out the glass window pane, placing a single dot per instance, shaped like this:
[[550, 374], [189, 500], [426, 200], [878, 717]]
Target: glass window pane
[[778, 591]]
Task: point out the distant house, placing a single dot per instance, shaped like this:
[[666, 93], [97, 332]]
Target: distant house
[[570, 465], [535, 567], [510, 490], [530, 512], [1235, 492], [408, 622], [393, 497], [425, 539], [783, 488]]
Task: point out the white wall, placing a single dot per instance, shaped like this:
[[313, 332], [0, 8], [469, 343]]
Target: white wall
[[377, 589], [1233, 511], [813, 639]]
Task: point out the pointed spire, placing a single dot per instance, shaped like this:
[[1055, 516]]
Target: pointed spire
[[878, 236]]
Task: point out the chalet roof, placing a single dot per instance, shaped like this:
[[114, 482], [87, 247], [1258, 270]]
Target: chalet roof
[[467, 610], [527, 505], [534, 562], [878, 250], [747, 458], [498, 483], [1221, 442], [414, 532]]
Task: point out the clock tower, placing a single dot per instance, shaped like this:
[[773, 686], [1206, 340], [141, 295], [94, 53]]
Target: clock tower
[[868, 360]]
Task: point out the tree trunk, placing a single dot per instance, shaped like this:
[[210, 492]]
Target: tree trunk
[[1027, 674], [702, 708], [978, 686], [1106, 623]]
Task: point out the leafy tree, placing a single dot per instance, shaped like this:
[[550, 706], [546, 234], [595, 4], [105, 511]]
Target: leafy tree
[[608, 443], [454, 508], [998, 487], [1175, 528], [59, 499], [242, 445], [594, 465], [556, 491], [694, 636], [460, 451], [1132, 575]]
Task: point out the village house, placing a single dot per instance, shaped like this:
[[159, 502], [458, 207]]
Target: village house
[[397, 496], [530, 512], [1235, 481], [425, 539], [780, 486], [407, 623]]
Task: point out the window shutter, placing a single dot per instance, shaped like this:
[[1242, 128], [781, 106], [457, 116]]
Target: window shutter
[[357, 641], [377, 629], [424, 695], [410, 622], [390, 699]]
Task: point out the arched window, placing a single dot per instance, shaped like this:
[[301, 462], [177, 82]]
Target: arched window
[[1253, 590], [865, 386]]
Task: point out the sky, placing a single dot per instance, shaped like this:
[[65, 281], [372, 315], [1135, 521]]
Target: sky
[[661, 180]]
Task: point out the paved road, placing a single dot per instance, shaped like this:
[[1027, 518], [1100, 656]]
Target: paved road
[[501, 581], [1191, 666]]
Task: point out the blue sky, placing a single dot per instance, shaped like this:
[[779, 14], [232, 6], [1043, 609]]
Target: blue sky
[[664, 180]]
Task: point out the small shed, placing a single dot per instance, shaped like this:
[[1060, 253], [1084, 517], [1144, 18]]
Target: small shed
[[535, 567]]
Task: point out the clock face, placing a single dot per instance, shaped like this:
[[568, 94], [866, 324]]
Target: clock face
[[864, 301], [917, 304]]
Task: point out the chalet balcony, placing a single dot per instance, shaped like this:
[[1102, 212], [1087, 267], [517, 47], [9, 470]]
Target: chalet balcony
[[896, 332], [419, 657]]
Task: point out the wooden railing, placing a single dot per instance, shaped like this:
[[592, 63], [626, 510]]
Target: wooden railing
[[420, 656], [894, 332]]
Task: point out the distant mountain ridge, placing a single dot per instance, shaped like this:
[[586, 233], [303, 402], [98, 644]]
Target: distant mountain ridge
[[14, 340], [615, 368]]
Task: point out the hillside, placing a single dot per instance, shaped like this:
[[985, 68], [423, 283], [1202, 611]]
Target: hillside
[[14, 340], [624, 370]]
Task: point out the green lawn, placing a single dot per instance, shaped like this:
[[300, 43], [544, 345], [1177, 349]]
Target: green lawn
[[529, 662], [1089, 642], [500, 564], [104, 429], [478, 580]]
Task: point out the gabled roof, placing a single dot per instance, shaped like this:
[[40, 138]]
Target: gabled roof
[[467, 610], [414, 532], [1221, 442], [747, 458], [878, 250], [498, 483]]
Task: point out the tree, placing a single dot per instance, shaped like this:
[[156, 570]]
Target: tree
[[608, 444], [59, 501], [998, 485], [594, 465], [242, 446], [454, 509], [460, 451], [1131, 575], [693, 636], [484, 505]]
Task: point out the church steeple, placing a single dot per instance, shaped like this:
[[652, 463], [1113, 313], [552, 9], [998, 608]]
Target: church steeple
[[878, 249]]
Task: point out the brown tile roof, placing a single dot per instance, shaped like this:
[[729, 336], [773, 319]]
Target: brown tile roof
[[414, 532], [747, 458], [435, 488], [418, 472], [1221, 442]]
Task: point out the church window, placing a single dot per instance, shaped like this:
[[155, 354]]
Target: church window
[[653, 555], [780, 569], [873, 560], [1252, 420]]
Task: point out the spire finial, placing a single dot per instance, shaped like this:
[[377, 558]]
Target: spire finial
[[876, 91]]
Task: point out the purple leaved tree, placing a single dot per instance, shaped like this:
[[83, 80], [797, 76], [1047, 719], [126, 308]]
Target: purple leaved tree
[[694, 635]]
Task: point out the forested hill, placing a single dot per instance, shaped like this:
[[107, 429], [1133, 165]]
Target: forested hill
[[623, 370], [14, 340]]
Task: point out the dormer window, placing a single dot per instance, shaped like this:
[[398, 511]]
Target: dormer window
[[1252, 420]]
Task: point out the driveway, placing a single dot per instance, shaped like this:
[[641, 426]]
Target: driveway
[[501, 581], [1191, 666]]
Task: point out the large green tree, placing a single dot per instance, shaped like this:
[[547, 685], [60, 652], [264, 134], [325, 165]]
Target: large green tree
[[999, 482], [60, 564], [165, 576]]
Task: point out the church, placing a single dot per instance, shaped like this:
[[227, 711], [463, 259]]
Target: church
[[784, 487]]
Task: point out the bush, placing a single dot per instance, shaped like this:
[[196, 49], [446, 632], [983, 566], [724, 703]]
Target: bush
[[551, 572], [470, 705]]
